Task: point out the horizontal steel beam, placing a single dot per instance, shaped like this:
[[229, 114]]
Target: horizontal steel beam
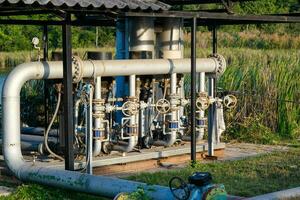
[[208, 18], [85, 22]]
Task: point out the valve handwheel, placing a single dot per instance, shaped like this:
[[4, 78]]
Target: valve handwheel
[[163, 106], [202, 103], [130, 108], [179, 188], [230, 101]]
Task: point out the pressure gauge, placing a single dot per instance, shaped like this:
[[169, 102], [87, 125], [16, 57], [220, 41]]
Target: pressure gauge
[[35, 41]]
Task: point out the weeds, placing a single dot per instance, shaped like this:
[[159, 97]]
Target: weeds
[[248, 177]]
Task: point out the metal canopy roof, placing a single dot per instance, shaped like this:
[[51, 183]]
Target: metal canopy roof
[[153, 5], [184, 2]]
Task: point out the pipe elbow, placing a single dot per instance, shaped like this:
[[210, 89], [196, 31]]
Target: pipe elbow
[[19, 75], [169, 141], [97, 147], [126, 147]]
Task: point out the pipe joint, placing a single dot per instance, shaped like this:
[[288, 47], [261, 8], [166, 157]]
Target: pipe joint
[[221, 63], [77, 66]]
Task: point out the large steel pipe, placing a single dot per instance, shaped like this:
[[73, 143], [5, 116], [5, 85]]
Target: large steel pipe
[[104, 186]]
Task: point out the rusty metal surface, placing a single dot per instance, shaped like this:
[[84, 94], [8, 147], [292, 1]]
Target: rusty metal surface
[[154, 5]]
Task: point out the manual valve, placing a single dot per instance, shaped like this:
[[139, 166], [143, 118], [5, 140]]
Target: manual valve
[[130, 108], [202, 102], [230, 101], [163, 106]]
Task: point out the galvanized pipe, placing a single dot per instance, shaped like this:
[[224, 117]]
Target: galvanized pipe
[[25, 171]]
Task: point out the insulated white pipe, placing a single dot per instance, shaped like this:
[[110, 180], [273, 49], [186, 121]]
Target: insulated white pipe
[[200, 131], [97, 121], [200, 114], [100, 185], [173, 92], [133, 139], [158, 66], [89, 128]]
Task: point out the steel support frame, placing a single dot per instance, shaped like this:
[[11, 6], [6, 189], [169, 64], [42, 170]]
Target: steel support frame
[[46, 84], [67, 93], [212, 126], [193, 89]]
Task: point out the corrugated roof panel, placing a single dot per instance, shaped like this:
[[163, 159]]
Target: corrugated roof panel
[[109, 4]]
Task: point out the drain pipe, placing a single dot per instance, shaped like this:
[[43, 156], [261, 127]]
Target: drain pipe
[[98, 185], [133, 136]]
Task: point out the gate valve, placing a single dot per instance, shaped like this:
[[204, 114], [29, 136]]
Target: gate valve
[[163, 106], [230, 101], [202, 102], [130, 108]]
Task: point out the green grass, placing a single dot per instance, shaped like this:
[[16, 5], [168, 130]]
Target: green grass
[[247, 177], [38, 192]]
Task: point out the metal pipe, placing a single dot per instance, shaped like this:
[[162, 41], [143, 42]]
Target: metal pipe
[[201, 113], [170, 138], [75, 180], [97, 121], [133, 138], [25, 171], [126, 146], [89, 130], [158, 66]]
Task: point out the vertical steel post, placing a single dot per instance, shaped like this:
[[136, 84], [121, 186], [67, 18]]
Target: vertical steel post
[[46, 85], [193, 89], [212, 109], [68, 97]]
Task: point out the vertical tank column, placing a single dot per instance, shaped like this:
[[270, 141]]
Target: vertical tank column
[[138, 43], [141, 46], [122, 52]]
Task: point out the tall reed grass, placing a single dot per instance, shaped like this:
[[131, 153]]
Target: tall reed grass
[[252, 40], [267, 84]]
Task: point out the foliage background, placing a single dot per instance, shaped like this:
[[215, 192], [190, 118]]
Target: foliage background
[[15, 38]]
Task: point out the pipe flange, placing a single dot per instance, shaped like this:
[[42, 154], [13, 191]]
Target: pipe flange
[[99, 101], [77, 65], [132, 99], [98, 115], [221, 67]]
